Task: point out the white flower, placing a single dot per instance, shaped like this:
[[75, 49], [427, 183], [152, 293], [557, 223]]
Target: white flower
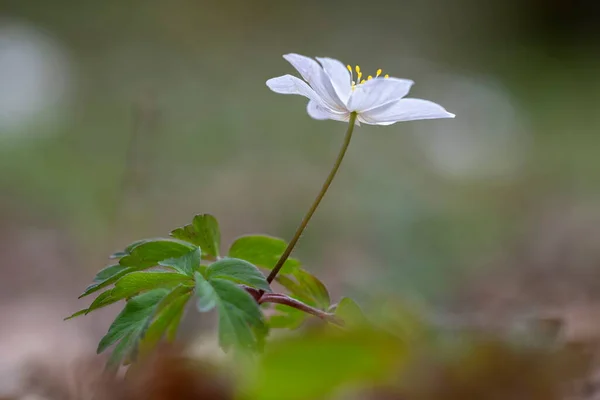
[[333, 94]]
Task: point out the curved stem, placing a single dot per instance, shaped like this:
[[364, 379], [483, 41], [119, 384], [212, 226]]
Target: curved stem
[[315, 204], [290, 302]]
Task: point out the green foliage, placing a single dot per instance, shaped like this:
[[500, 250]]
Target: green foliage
[[105, 277], [184, 264], [131, 323], [207, 298], [168, 315], [151, 252], [311, 287], [306, 287], [263, 251], [241, 323], [121, 254], [132, 284], [239, 271], [139, 255], [203, 232], [155, 299], [107, 272]]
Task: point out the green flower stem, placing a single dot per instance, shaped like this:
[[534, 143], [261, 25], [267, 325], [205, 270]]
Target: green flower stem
[[315, 204]]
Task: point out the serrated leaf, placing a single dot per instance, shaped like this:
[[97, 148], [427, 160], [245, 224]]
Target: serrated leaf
[[241, 323], [263, 251], [137, 282], [152, 251], [140, 255], [167, 315], [350, 313], [108, 281], [186, 263], [203, 232], [314, 287], [240, 271], [133, 320], [207, 298]]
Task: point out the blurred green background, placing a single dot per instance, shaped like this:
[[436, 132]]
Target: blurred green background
[[122, 119]]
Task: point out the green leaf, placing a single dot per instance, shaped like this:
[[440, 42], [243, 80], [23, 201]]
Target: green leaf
[[314, 287], [152, 251], [207, 297], [263, 251], [132, 322], [137, 282], [184, 264], [203, 232], [140, 255], [103, 300], [171, 332], [240, 271], [167, 315], [107, 272], [306, 287], [118, 254], [140, 281], [109, 280], [241, 323], [77, 314], [350, 313], [127, 251], [297, 291]]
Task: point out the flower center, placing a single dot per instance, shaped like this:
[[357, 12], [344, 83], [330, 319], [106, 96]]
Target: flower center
[[359, 75]]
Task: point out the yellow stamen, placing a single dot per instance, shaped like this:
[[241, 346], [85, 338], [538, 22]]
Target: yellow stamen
[[359, 75]]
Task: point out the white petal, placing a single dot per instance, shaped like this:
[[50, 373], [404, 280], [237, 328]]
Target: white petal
[[377, 92], [316, 77], [404, 110], [339, 76], [288, 84], [320, 112]]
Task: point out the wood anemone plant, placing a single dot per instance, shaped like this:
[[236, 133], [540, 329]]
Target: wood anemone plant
[[157, 277]]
